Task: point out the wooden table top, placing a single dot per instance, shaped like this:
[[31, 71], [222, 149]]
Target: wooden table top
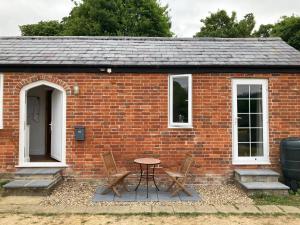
[[147, 161]]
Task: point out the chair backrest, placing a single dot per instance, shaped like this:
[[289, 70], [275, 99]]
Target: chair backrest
[[186, 164], [109, 163]]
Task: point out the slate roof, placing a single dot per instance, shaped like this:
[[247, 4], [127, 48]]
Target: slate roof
[[143, 51]]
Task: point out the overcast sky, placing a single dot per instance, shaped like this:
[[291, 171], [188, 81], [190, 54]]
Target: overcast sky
[[185, 14]]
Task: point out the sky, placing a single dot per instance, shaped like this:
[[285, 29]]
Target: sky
[[185, 14]]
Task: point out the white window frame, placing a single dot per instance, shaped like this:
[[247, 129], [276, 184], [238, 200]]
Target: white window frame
[[264, 160], [170, 103], [1, 100]]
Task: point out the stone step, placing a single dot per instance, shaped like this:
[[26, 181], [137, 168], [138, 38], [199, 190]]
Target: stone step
[[271, 188], [38, 173], [256, 175], [38, 187]]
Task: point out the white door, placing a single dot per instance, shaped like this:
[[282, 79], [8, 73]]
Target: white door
[[250, 121], [56, 124]]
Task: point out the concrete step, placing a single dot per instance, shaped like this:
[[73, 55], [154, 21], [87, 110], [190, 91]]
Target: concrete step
[[38, 173], [256, 175], [38, 187], [271, 188], [33, 181]]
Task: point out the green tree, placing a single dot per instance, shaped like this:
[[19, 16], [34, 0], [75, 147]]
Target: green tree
[[264, 30], [113, 18], [288, 28], [43, 28], [220, 24]]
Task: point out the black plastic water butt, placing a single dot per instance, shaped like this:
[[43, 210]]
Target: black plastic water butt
[[290, 161]]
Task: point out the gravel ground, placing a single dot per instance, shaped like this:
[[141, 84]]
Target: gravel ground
[[74, 193]]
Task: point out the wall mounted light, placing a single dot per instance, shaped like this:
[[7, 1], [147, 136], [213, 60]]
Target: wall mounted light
[[76, 89]]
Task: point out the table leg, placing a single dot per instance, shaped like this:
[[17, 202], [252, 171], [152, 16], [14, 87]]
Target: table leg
[[141, 168], [154, 178], [147, 179]]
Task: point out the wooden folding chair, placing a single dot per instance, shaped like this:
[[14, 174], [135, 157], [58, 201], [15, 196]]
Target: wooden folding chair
[[115, 177], [179, 176]]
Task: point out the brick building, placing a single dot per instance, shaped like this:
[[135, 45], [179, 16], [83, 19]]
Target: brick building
[[227, 101]]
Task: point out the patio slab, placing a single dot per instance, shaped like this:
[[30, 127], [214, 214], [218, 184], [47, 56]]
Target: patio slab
[[162, 209], [248, 209], [205, 209], [226, 209], [141, 196], [289, 209], [270, 209]]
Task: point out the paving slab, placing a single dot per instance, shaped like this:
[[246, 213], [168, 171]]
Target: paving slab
[[248, 209], [162, 209], [140, 209], [269, 209], [141, 195], [184, 209], [62, 209], [113, 209], [166, 196], [226, 209], [205, 209], [20, 200], [289, 209]]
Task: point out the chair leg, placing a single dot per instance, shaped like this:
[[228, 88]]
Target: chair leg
[[172, 184], [116, 191], [125, 186], [181, 187]]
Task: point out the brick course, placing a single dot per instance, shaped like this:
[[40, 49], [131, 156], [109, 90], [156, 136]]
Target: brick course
[[128, 114]]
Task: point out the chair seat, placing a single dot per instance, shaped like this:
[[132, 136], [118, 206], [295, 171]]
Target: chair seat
[[121, 174], [174, 174]]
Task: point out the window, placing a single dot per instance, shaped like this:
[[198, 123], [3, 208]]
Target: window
[[1, 101], [180, 100], [250, 118]]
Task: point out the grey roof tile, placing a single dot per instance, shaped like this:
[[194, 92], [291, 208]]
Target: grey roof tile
[[122, 51]]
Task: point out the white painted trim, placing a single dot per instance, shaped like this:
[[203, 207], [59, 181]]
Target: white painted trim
[[23, 91], [250, 160], [1, 99], [171, 124]]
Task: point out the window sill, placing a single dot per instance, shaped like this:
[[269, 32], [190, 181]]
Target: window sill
[[178, 127], [251, 162]]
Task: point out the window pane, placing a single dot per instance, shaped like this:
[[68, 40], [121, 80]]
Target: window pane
[[256, 120], [180, 100], [243, 120], [243, 106], [255, 106], [243, 135], [257, 135], [243, 91], [244, 149], [255, 91], [257, 149]]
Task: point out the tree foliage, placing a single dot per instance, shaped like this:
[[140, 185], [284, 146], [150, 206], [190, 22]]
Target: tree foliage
[[288, 28], [109, 18], [220, 24], [264, 31], [49, 28]]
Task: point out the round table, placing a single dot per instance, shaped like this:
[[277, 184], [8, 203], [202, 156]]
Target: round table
[[148, 162]]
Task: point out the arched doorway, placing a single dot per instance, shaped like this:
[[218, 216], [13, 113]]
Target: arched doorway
[[42, 125]]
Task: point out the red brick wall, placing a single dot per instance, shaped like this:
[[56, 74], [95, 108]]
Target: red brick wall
[[127, 113]]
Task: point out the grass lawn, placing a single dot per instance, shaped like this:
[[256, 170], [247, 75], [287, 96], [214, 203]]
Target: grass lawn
[[25, 219], [293, 199]]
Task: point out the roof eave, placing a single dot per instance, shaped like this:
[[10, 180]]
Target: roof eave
[[79, 68]]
